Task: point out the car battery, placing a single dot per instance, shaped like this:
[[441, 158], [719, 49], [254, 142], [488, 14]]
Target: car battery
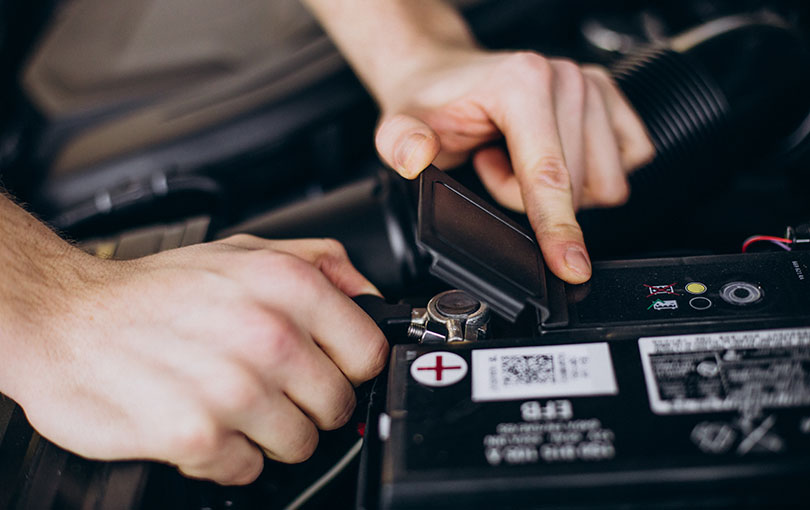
[[660, 383]]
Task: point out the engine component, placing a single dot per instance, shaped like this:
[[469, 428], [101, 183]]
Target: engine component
[[724, 92], [674, 382]]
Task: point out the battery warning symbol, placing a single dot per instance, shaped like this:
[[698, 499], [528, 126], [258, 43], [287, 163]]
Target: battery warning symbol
[[663, 304], [661, 290]]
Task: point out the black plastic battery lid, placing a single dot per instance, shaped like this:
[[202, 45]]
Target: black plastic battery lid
[[476, 248]]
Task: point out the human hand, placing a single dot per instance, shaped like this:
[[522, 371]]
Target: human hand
[[202, 357], [571, 136]]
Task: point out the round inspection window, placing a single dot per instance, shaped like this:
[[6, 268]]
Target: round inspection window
[[740, 293]]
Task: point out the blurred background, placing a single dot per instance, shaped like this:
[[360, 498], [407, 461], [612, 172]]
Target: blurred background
[[118, 114]]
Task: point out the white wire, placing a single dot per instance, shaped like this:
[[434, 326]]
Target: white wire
[[326, 477]]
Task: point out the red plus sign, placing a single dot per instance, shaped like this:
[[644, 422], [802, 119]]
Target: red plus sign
[[439, 368]]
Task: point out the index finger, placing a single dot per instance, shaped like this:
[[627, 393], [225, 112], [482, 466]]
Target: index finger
[[285, 278], [337, 324], [328, 255], [527, 118]]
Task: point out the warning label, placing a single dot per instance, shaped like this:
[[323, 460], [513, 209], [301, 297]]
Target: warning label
[[542, 372], [748, 370]]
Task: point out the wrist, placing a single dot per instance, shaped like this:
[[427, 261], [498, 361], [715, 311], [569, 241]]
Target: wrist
[[419, 75], [391, 43], [42, 287]]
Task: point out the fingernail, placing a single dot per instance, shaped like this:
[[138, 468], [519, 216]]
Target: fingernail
[[406, 150], [371, 289], [577, 261]]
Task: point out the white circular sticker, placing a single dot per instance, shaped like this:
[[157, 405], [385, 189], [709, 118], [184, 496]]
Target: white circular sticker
[[439, 368]]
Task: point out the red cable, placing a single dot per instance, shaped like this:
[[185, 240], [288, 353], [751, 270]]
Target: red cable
[[754, 239]]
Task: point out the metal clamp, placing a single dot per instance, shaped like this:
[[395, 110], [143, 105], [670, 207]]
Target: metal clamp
[[452, 316]]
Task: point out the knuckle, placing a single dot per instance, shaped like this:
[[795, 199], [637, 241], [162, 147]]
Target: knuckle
[[592, 93], [562, 230], [648, 154], [568, 70], [240, 239], [334, 248], [254, 320], [374, 361], [278, 345], [596, 72], [235, 391], [255, 263], [190, 472], [531, 67], [292, 268], [197, 440], [379, 355], [342, 411], [643, 154], [551, 172], [572, 81], [302, 446], [333, 253], [616, 196], [291, 275], [252, 466]]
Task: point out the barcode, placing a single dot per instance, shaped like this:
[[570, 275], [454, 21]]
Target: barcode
[[542, 372], [527, 369]]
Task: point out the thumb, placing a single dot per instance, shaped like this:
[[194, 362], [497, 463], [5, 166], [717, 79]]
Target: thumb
[[407, 144]]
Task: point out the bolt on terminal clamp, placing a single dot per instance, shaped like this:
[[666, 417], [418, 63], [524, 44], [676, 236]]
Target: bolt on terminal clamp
[[452, 316]]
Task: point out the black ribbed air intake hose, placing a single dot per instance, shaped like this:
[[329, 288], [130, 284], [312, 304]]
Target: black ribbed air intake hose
[[726, 92], [726, 96], [684, 110]]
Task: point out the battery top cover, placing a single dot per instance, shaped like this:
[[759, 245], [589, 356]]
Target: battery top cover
[[477, 248]]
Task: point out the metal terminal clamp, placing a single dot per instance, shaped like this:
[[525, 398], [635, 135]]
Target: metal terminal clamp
[[452, 316]]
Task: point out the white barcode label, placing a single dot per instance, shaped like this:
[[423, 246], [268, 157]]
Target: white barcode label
[[542, 372]]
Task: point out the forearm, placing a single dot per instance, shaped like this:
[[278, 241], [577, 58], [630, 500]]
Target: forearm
[[37, 268], [388, 41]]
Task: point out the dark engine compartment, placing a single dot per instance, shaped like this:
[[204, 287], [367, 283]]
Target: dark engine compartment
[[733, 161]]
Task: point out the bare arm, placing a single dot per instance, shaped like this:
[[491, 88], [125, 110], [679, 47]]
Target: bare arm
[[388, 42], [571, 136], [207, 357], [36, 264]]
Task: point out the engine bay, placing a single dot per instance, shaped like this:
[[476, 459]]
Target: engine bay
[[676, 377]]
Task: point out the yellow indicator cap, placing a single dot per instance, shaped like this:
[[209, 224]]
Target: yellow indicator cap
[[695, 288]]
